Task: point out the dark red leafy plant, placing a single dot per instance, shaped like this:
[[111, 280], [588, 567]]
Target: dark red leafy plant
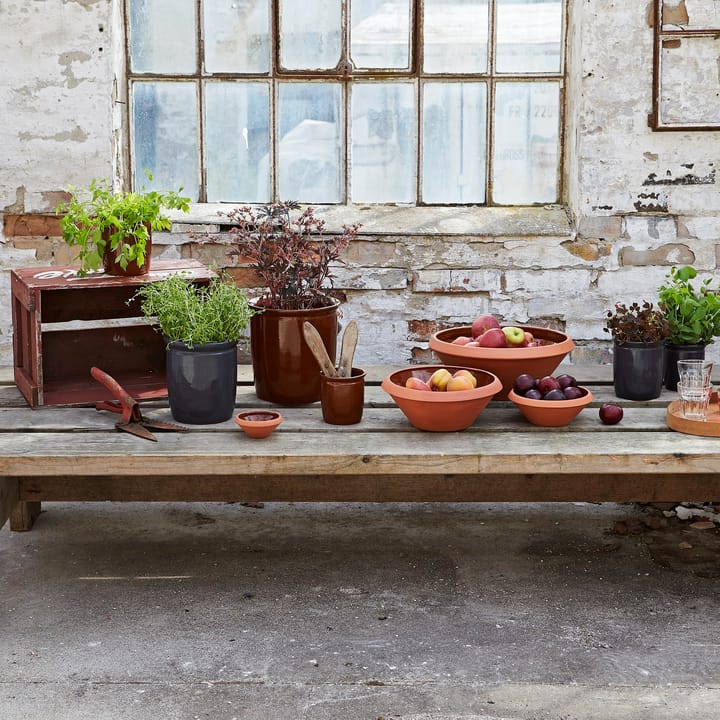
[[637, 323], [286, 248]]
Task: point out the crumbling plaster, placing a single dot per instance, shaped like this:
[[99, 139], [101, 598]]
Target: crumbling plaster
[[636, 201]]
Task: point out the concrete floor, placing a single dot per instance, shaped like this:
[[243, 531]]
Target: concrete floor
[[329, 612]]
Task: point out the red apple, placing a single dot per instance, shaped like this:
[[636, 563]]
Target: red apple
[[529, 338], [494, 337], [483, 323], [610, 414], [515, 336]]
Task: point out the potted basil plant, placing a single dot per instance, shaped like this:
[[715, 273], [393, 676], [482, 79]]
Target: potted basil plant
[[693, 316], [114, 229], [638, 332], [201, 326]]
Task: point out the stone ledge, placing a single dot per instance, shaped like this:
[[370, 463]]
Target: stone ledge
[[385, 220]]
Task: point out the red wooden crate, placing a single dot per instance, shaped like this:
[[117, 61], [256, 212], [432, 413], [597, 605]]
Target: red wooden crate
[[64, 324]]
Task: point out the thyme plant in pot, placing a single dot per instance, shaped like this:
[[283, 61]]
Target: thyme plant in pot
[[693, 316], [638, 332], [288, 250], [114, 229], [201, 326]]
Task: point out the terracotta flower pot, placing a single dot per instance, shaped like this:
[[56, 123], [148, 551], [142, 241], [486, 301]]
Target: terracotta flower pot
[[284, 368], [342, 398], [111, 266]]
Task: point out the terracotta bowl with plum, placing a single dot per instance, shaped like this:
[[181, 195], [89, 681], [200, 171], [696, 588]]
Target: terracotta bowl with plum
[[549, 401]]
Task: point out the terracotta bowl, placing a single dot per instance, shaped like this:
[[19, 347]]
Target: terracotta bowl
[[258, 423], [551, 413], [440, 411], [506, 363]]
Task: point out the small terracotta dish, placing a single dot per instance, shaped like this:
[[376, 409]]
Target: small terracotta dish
[[506, 363], [258, 423], [551, 413], [439, 411]]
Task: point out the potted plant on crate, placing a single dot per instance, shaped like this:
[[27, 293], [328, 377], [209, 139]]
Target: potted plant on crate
[[114, 229], [201, 326], [638, 333], [286, 247], [693, 316]]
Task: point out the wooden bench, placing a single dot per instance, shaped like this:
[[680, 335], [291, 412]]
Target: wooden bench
[[76, 454]]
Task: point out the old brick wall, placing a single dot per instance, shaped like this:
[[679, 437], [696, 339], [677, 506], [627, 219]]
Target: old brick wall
[[637, 201]]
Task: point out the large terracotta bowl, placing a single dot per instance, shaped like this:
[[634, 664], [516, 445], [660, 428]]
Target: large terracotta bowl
[[551, 413], [506, 363], [438, 411]]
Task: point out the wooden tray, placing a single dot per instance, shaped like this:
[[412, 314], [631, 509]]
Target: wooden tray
[[709, 428]]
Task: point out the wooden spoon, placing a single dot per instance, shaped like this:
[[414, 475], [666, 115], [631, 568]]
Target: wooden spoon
[[347, 349], [317, 347]]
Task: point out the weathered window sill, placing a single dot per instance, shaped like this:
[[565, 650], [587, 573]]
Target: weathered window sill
[[551, 220]]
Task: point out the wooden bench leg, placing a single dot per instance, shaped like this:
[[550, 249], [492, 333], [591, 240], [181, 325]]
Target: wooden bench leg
[[23, 516], [9, 494]]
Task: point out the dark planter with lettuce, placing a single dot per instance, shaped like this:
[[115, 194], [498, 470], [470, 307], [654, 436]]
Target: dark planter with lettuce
[[201, 326], [639, 332], [693, 317]]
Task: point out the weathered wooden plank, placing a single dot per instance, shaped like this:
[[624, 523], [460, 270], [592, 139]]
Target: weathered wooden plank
[[430, 487], [9, 497], [499, 417], [23, 516], [351, 453]]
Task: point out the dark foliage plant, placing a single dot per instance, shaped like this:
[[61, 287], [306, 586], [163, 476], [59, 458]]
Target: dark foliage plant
[[286, 247], [637, 323]]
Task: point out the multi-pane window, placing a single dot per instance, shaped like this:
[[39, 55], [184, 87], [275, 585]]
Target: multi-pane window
[[348, 101]]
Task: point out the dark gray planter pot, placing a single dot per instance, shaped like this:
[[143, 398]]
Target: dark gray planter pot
[[673, 353], [638, 370], [202, 382]]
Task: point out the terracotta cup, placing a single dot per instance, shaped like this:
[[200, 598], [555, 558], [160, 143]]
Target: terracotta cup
[[342, 398]]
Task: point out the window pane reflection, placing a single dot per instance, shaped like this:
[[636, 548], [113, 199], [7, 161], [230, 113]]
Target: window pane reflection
[[453, 146], [455, 36], [529, 34], [162, 36], [384, 141], [310, 34], [309, 150], [165, 135], [237, 36], [237, 142], [380, 34], [525, 160]]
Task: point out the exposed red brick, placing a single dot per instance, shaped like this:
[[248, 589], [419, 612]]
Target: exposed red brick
[[31, 225], [421, 329]]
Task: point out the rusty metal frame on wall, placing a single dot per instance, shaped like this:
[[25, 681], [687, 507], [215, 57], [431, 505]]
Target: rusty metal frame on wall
[[671, 27]]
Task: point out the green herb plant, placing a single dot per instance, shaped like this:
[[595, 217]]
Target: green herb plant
[[97, 216], [692, 314], [196, 315], [637, 323]]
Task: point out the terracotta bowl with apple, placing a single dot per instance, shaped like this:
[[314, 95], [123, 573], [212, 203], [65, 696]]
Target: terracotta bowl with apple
[[440, 410], [551, 413], [505, 362]]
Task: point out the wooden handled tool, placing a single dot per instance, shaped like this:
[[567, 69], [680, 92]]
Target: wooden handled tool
[[347, 349], [316, 345]]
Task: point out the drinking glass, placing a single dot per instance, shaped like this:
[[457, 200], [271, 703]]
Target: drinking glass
[[694, 400], [694, 373]]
